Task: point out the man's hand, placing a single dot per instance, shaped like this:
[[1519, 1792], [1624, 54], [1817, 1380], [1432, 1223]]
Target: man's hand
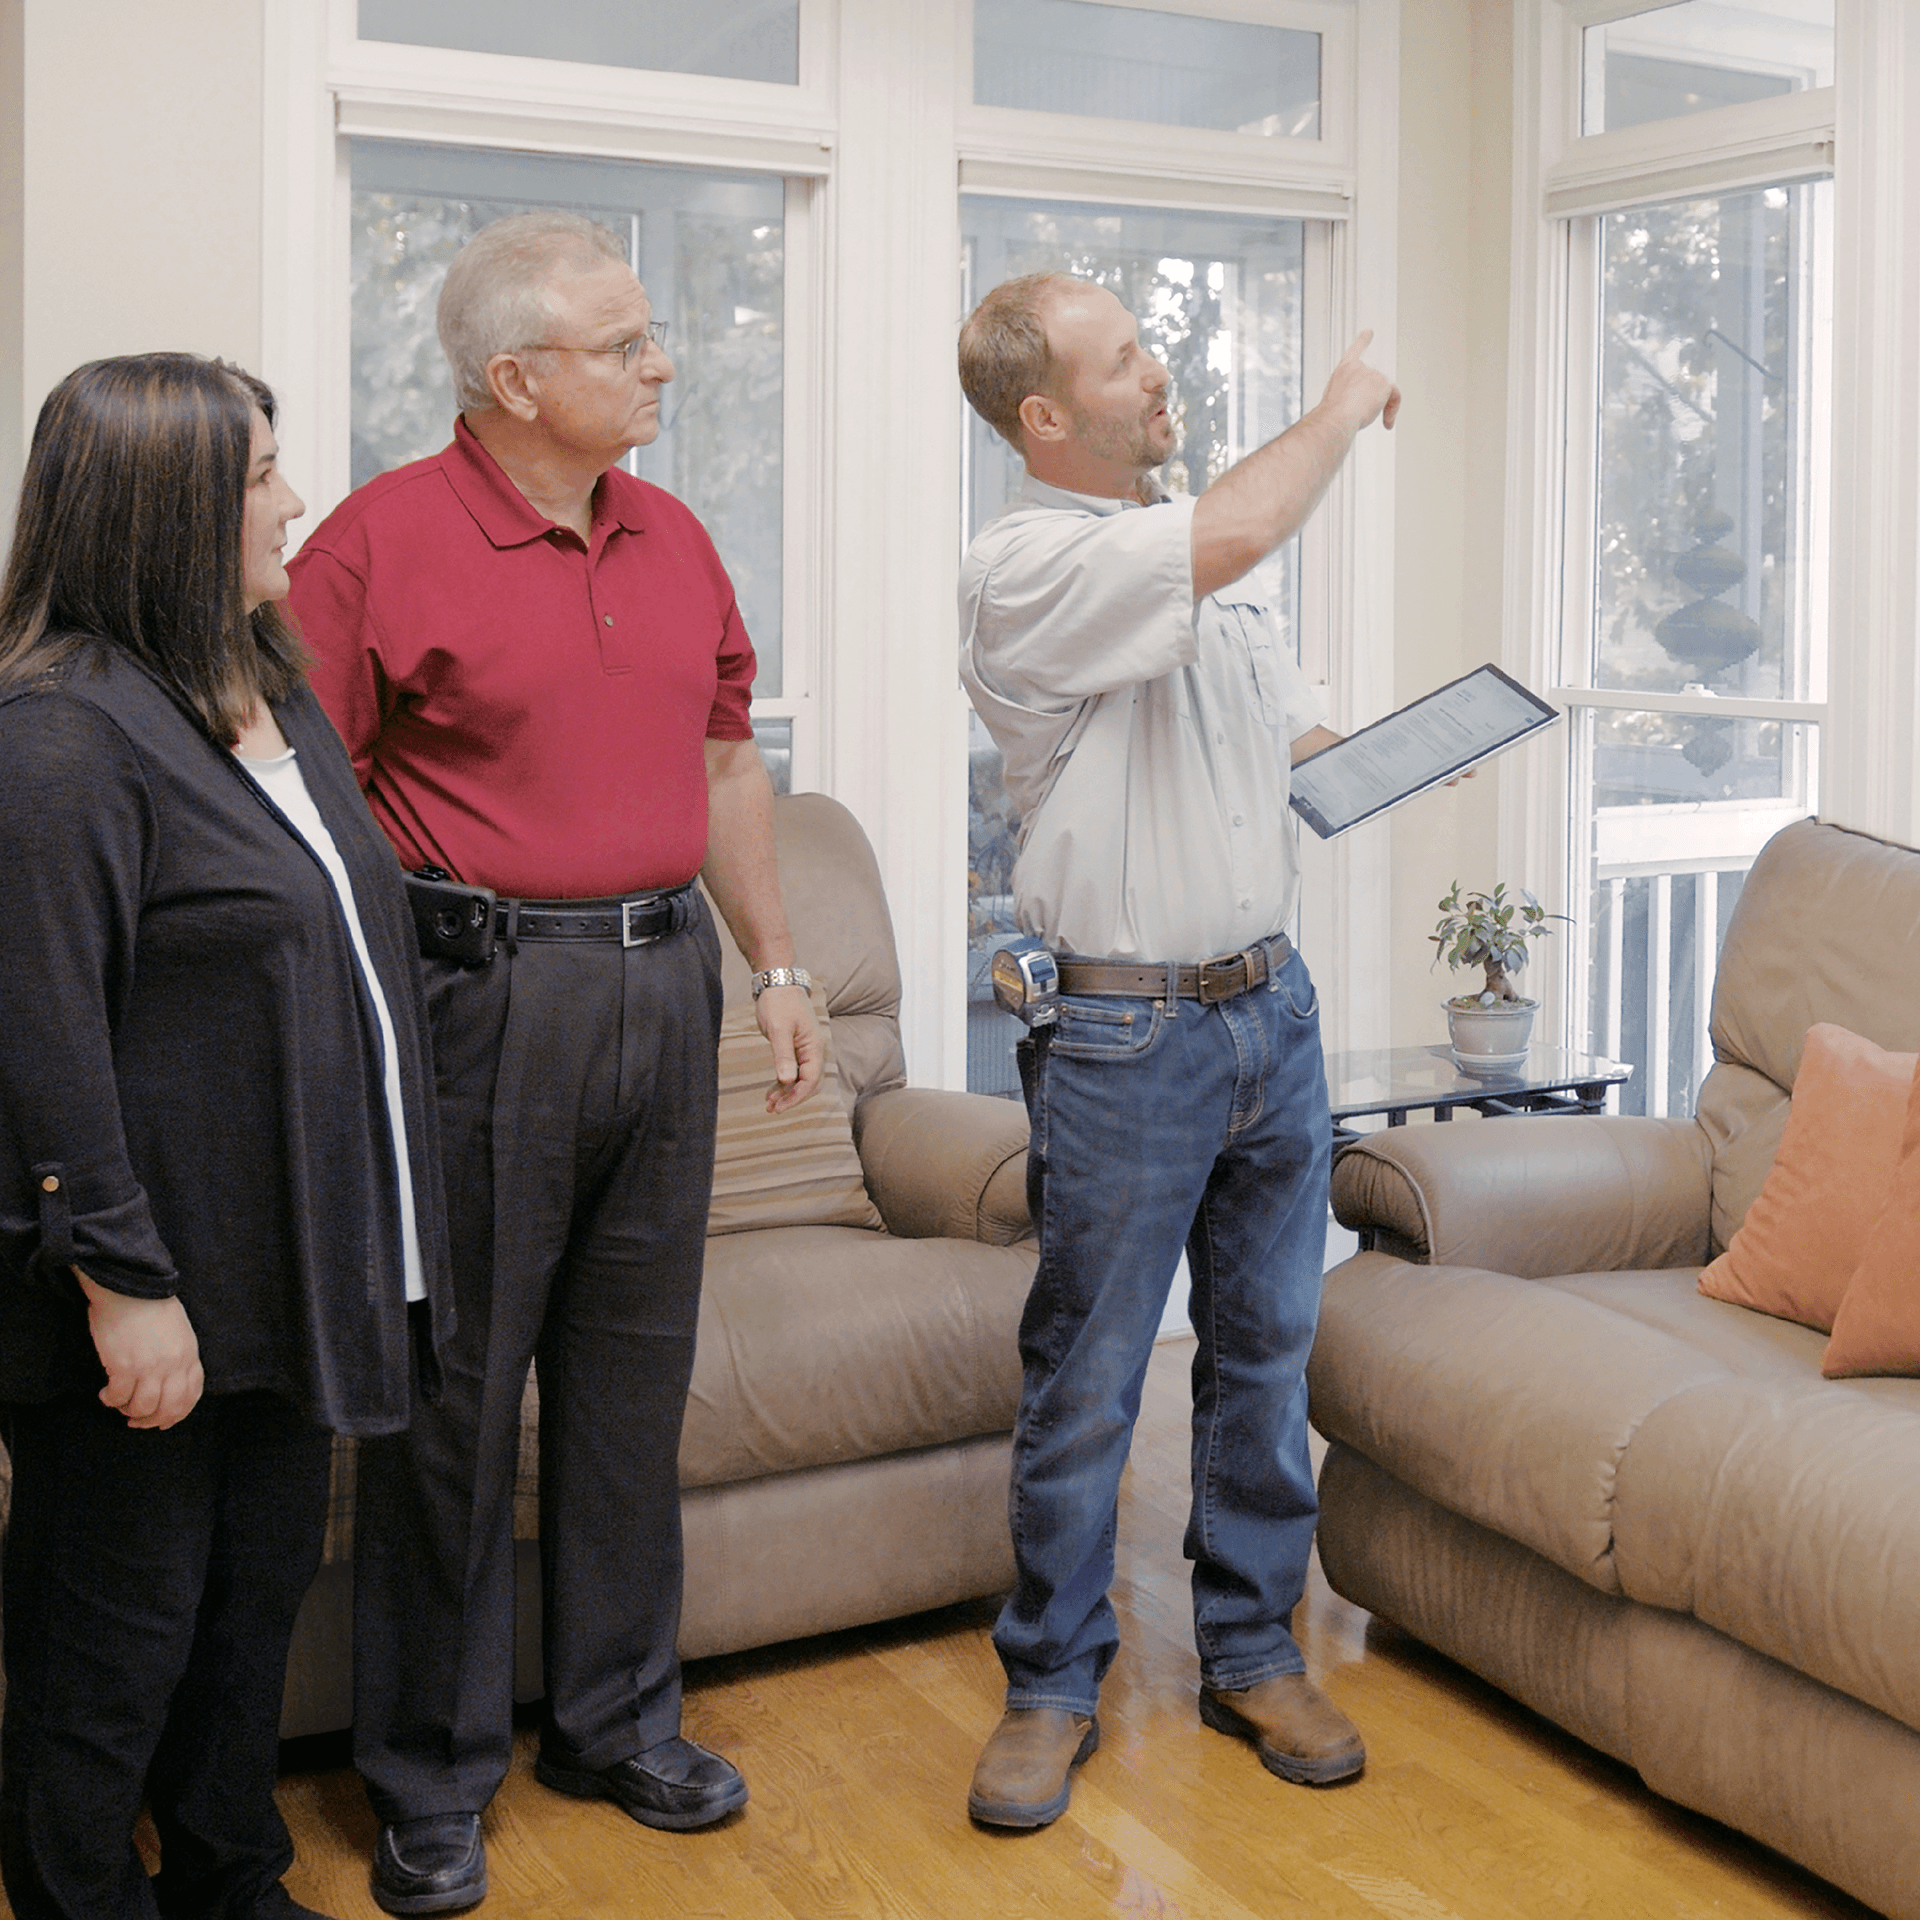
[[786, 1018], [745, 883], [150, 1352], [1263, 500], [1361, 394]]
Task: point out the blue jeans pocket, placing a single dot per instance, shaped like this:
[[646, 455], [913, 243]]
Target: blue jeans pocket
[[1297, 989], [1102, 1029]]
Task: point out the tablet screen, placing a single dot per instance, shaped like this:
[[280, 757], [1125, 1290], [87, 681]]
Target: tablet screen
[[1424, 745]]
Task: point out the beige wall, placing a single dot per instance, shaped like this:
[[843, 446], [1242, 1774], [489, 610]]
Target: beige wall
[[135, 130], [1456, 134]]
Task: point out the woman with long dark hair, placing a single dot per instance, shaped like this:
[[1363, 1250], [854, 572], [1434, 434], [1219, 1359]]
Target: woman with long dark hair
[[219, 1187]]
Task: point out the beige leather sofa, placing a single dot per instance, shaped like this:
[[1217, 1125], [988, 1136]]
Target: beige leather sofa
[[845, 1457], [1638, 1510]]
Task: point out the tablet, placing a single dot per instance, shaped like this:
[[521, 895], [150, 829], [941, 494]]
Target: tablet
[[1434, 740]]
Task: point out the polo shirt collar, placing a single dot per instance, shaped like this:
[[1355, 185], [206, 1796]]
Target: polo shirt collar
[[505, 514], [1039, 494]]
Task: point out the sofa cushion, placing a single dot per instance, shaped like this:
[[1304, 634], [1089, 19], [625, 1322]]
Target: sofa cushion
[[1802, 1238], [822, 1344], [1782, 1512], [791, 1169], [1754, 1344], [1455, 1381], [1877, 1329]]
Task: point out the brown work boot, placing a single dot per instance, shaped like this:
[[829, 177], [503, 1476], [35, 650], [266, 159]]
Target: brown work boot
[[1300, 1734], [1025, 1772]]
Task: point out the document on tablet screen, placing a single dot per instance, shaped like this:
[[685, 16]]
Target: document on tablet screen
[[1434, 740]]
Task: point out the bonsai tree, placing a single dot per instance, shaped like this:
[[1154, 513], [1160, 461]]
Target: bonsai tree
[[1491, 931]]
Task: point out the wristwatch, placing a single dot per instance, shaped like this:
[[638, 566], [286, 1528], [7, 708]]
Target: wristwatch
[[781, 977]]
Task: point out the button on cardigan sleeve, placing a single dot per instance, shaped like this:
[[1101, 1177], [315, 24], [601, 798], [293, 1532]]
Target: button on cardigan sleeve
[[76, 836]]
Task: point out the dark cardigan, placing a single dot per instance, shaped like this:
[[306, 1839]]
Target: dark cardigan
[[191, 1091]]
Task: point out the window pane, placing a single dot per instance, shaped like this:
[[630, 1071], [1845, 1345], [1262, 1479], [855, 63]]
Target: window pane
[[1219, 300], [1710, 542], [1673, 61], [1127, 63], [708, 247], [1712, 424], [737, 39], [1655, 760]]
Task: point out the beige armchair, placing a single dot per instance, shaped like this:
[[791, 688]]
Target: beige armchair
[[845, 1454]]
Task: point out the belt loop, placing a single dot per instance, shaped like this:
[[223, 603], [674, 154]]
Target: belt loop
[[1173, 989], [1275, 949], [512, 937]]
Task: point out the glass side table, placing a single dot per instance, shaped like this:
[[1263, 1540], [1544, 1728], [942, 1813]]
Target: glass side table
[[1398, 1081]]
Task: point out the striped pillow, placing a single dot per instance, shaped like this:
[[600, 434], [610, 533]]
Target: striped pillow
[[793, 1169]]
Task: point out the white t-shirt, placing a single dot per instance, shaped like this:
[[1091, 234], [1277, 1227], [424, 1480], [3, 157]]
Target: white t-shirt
[[1146, 738], [280, 779]]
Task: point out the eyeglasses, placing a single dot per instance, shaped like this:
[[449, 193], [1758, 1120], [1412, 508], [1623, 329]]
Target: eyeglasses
[[655, 334]]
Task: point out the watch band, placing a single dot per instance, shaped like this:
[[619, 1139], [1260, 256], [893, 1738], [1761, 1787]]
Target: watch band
[[781, 977]]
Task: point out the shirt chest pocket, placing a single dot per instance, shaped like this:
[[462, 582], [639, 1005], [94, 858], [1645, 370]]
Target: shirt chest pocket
[[1255, 645]]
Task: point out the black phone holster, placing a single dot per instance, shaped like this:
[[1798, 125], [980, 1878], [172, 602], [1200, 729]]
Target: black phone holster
[[454, 921]]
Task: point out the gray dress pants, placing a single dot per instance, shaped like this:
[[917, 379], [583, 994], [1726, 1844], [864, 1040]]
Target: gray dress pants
[[576, 1095]]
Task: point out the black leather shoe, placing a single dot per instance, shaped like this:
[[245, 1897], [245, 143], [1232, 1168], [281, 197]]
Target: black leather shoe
[[434, 1865], [675, 1785]]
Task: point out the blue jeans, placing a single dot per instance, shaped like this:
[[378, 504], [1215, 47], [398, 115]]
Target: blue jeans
[[1158, 1123]]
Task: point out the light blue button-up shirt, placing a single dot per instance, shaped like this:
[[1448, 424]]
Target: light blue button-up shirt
[[1146, 738]]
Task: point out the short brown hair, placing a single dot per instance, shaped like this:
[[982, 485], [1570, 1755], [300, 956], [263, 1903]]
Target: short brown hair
[[128, 535], [1004, 355]]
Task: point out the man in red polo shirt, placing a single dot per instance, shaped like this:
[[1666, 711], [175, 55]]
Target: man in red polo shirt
[[540, 671]]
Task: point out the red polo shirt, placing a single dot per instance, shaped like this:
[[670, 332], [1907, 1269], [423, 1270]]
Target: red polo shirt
[[524, 711]]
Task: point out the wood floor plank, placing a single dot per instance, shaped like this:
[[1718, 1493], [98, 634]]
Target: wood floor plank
[[858, 1748]]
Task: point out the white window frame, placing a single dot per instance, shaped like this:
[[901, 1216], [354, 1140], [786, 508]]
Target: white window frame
[[1562, 181], [877, 136]]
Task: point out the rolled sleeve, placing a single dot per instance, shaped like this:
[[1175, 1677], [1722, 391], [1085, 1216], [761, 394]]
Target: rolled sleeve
[[1068, 605], [731, 715]]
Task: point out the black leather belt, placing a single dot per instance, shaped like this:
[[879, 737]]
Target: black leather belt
[[631, 921], [1224, 977]]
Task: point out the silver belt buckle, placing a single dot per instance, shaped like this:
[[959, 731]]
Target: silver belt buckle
[[628, 938]]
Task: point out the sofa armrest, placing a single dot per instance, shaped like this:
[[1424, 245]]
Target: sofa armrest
[[945, 1165], [1558, 1193]]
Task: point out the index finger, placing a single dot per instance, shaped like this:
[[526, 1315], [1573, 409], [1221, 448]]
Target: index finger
[[1362, 341]]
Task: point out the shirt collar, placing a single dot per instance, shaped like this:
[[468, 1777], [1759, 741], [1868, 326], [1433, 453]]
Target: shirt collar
[[505, 514], [1039, 494]]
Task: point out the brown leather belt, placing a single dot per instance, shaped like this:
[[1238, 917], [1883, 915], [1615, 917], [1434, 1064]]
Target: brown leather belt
[[1224, 977]]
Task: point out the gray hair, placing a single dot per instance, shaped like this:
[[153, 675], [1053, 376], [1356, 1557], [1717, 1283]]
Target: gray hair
[[493, 299]]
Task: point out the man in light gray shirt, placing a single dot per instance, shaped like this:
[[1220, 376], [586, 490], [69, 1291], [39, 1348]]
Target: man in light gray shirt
[[1147, 708]]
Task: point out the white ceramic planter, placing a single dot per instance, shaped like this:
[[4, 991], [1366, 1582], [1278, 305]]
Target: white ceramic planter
[[1491, 1039]]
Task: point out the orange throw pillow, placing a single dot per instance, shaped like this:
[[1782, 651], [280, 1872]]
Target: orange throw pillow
[[1877, 1329], [1803, 1236]]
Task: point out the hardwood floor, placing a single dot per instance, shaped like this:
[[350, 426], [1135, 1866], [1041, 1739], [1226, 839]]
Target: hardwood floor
[[858, 1748]]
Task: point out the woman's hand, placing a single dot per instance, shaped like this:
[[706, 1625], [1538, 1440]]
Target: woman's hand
[[150, 1352]]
